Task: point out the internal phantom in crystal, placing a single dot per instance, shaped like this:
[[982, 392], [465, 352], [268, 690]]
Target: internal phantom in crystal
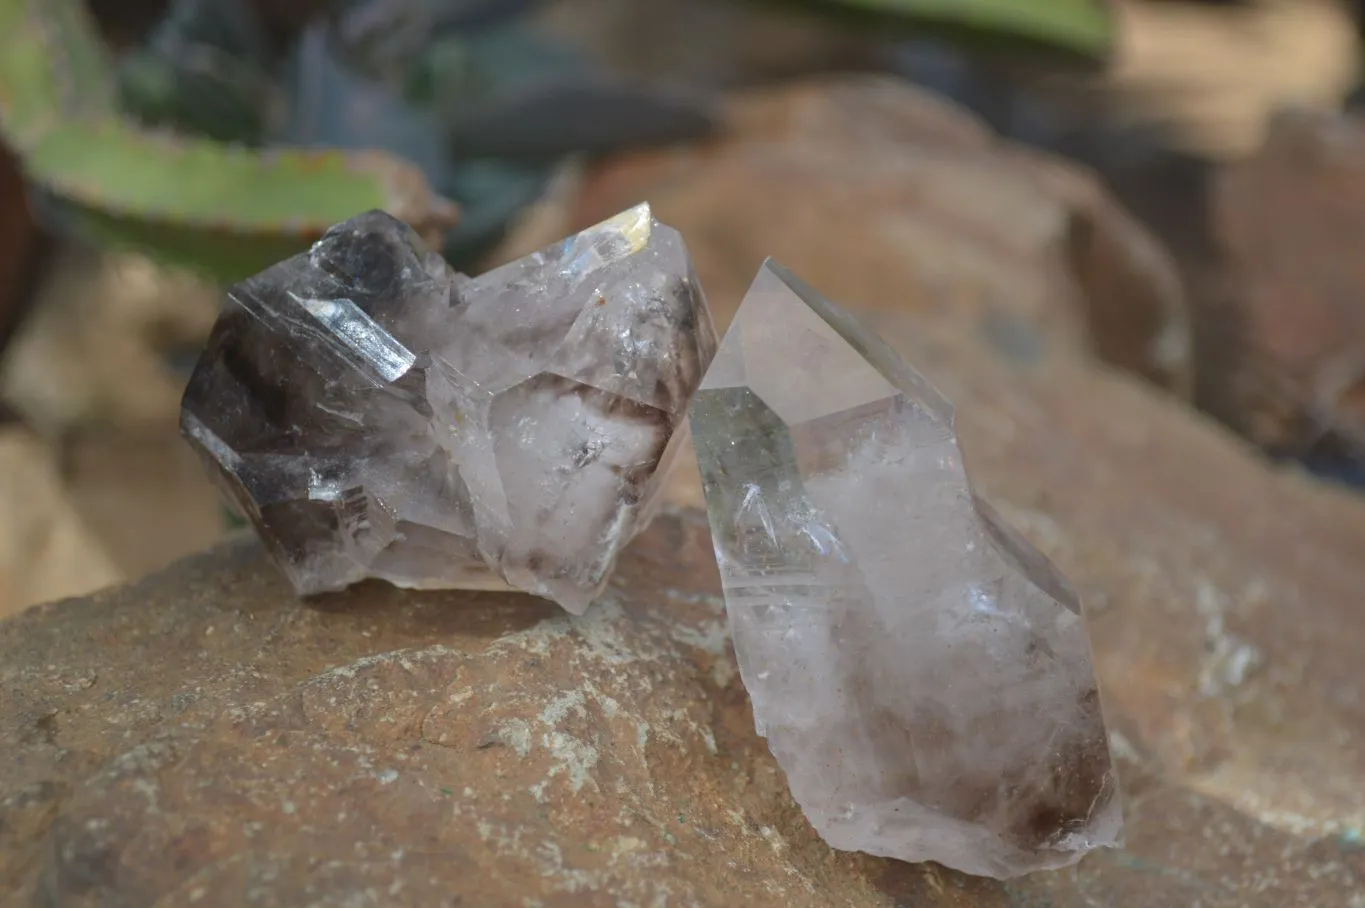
[[376, 414], [921, 672]]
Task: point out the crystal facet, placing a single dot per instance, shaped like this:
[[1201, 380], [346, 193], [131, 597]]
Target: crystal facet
[[922, 673], [376, 414]]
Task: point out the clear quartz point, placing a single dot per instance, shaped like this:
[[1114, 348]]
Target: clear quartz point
[[921, 672], [376, 414]]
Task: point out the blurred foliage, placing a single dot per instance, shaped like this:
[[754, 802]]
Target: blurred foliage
[[222, 144], [460, 91], [1083, 29]]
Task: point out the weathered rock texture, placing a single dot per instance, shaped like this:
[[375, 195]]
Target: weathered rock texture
[[899, 199]]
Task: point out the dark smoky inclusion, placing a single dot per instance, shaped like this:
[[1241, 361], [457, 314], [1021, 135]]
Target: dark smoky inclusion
[[376, 414]]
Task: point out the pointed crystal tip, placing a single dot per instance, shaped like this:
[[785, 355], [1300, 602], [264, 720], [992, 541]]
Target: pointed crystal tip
[[921, 672], [377, 415]]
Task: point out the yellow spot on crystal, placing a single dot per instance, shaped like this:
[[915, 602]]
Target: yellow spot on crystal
[[633, 224]]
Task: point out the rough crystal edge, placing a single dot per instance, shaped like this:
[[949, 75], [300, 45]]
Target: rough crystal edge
[[908, 380], [351, 335], [1011, 544], [904, 377]]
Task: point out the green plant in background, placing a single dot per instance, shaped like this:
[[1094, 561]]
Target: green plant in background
[[222, 210], [213, 147], [1082, 29]]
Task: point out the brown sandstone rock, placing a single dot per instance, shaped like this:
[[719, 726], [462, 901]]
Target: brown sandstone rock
[[1287, 363], [885, 196], [204, 736]]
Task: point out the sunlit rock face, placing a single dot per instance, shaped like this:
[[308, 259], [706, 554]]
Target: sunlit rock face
[[376, 414], [921, 672]]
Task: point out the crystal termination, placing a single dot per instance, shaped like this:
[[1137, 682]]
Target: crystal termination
[[921, 673], [375, 414]]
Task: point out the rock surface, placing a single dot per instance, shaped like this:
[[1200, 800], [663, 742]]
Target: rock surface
[[204, 733], [890, 197]]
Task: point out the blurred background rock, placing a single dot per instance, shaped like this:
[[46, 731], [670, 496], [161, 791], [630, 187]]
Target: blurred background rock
[[1128, 210]]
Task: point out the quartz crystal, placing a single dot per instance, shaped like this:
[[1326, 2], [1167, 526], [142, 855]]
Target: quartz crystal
[[375, 414], [921, 673]]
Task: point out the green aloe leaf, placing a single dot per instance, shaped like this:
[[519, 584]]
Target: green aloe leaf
[[1083, 28], [219, 209]]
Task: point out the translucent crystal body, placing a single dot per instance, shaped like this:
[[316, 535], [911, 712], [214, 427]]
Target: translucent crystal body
[[377, 415], [921, 672]]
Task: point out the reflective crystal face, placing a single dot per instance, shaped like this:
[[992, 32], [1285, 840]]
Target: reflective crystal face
[[377, 415], [921, 672]]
